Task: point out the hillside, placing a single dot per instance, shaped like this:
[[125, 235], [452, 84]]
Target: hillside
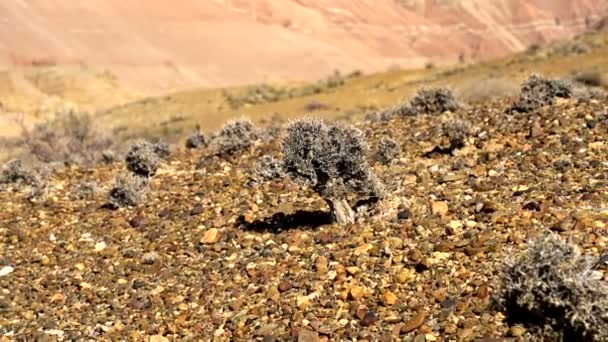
[[157, 46], [211, 254]]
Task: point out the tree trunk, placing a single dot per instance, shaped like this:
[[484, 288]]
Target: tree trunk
[[341, 211]]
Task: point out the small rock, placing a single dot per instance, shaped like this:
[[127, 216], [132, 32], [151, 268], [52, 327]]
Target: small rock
[[149, 258], [284, 286], [321, 264], [362, 249], [439, 208], [369, 319], [100, 246], [324, 238], [305, 335], [196, 210], [404, 214], [137, 284], [414, 322], [137, 221], [517, 331], [211, 236], [158, 338], [419, 338], [356, 292], [404, 275], [389, 298]]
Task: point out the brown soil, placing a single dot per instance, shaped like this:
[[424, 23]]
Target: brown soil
[[261, 261]]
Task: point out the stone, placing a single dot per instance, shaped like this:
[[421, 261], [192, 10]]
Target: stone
[[517, 331], [197, 209], [211, 236], [370, 318], [138, 221], [158, 338], [389, 298], [305, 335], [356, 292], [413, 323], [439, 208]]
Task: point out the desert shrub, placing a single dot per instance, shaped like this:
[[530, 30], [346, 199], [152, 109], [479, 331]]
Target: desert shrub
[[142, 159], [70, 137], [86, 190], [331, 160], [268, 168], [14, 172], [197, 139], [235, 137], [552, 289], [388, 150], [434, 101], [457, 132], [162, 149], [127, 190], [538, 91]]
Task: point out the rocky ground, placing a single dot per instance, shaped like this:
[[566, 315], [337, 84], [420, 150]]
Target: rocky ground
[[211, 255]]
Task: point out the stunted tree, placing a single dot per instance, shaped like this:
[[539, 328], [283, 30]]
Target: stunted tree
[[331, 159]]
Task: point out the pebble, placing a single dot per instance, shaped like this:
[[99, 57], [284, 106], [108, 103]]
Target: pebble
[[284, 286], [196, 210], [389, 298], [6, 270], [517, 331], [404, 214], [158, 338], [138, 221], [356, 292], [439, 208], [211, 236], [370, 318], [414, 322], [305, 335]]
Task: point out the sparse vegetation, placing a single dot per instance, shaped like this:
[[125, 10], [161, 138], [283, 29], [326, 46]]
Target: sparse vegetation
[[268, 168], [15, 173], [552, 289], [235, 137], [71, 137], [388, 150], [142, 159], [331, 159], [538, 91], [457, 132], [434, 101], [197, 139], [86, 190], [127, 190]]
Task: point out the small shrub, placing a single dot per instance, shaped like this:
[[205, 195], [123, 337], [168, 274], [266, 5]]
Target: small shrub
[[457, 132], [142, 159], [388, 150], [434, 101], [268, 168], [127, 190], [86, 190], [162, 149], [234, 137], [70, 137], [551, 288], [197, 139], [14, 172], [537, 92], [331, 159]]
